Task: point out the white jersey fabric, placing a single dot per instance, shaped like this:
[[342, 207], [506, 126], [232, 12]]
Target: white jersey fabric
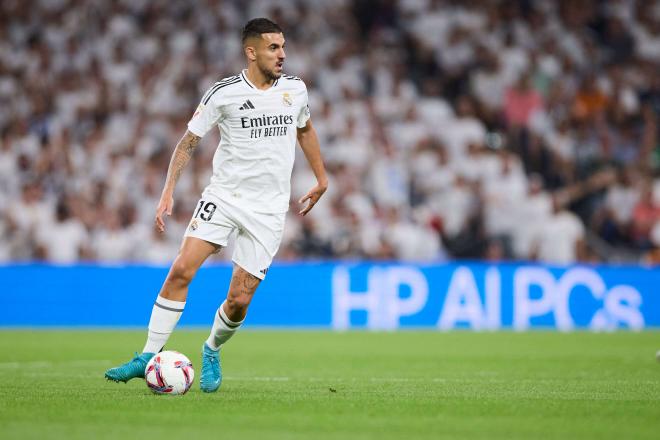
[[253, 162]]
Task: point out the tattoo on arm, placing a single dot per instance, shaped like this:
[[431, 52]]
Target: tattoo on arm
[[182, 154]]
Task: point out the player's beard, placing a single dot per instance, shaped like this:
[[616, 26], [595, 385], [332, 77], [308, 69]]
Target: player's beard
[[270, 73]]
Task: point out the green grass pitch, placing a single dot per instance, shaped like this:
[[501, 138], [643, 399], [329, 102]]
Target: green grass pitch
[[355, 385]]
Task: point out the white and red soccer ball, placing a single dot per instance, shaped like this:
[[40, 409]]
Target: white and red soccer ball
[[169, 372]]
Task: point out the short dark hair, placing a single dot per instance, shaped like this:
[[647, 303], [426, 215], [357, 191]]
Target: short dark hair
[[258, 26]]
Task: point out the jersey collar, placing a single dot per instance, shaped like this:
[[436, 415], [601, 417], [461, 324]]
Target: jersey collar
[[247, 81]]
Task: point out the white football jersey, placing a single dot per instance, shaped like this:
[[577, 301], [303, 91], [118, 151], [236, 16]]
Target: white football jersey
[[253, 162]]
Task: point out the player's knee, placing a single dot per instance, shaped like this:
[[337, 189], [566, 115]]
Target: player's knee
[[181, 274]]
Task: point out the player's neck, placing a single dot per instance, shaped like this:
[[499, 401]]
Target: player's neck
[[257, 78]]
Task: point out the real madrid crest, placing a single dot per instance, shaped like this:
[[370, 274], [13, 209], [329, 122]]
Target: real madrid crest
[[288, 100], [193, 225]]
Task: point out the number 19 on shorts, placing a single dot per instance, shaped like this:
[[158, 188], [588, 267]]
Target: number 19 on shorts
[[205, 210]]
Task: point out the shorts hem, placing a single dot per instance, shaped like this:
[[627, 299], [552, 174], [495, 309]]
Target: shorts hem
[[256, 273], [193, 235]]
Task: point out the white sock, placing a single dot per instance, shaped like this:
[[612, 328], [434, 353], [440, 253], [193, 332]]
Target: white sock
[[223, 329], [164, 316]]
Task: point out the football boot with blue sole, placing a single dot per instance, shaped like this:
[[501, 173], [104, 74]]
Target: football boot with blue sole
[[211, 376], [131, 369]]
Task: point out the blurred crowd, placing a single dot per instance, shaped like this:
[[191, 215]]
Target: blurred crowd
[[498, 130]]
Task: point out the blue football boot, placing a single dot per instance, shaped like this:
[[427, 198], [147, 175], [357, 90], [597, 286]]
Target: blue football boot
[[131, 369], [211, 377]]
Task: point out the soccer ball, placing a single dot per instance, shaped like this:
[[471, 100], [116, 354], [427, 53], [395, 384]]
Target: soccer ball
[[169, 372]]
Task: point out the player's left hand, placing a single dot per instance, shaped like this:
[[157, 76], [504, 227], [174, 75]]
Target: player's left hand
[[313, 196]]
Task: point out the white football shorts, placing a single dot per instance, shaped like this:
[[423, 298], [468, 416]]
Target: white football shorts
[[258, 234]]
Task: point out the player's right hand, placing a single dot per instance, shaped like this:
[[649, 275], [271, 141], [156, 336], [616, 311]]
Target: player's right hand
[[164, 207]]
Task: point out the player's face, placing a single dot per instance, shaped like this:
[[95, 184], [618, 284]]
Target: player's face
[[270, 55]]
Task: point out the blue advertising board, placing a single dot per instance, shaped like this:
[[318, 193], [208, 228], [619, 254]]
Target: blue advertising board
[[342, 295]]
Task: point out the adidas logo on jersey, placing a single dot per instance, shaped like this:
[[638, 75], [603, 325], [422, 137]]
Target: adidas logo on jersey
[[247, 105]]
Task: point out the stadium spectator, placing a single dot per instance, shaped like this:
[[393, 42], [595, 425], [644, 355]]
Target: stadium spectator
[[520, 102], [645, 215], [65, 240]]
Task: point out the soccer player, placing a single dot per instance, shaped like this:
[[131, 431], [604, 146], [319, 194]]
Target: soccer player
[[260, 113]]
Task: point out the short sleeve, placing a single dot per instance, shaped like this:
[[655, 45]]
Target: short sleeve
[[207, 114], [304, 114]]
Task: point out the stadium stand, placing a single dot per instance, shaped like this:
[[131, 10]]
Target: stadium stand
[[497, 130]]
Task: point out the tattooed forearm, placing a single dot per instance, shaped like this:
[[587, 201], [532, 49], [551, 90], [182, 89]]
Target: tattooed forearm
[[182, 154]]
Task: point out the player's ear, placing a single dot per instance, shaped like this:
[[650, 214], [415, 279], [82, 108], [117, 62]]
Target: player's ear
[[250, 52]]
